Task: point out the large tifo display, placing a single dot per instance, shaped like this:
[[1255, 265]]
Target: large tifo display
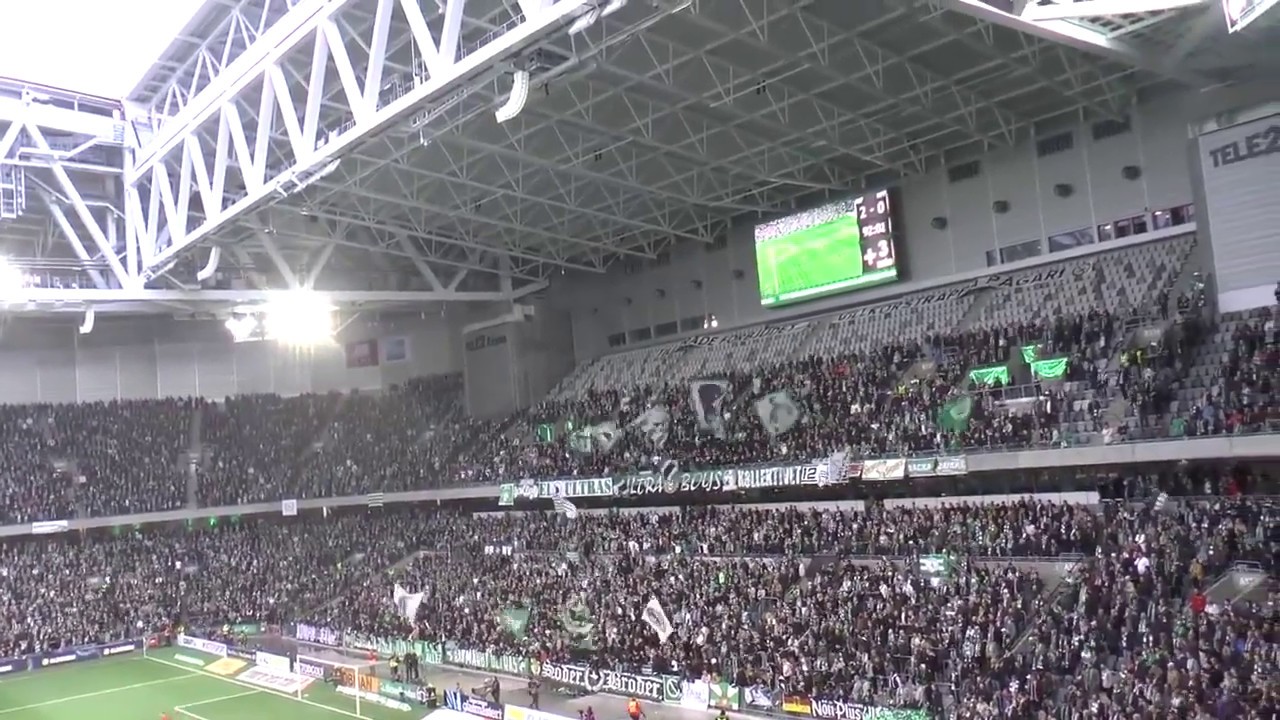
[[827, 250]]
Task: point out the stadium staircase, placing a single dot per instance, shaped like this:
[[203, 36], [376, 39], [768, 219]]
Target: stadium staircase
[[817, 329], [351, 563], [191, 461], [1062, 579], [1244, 581], [1150, 328], [326, 428], [982, 298]]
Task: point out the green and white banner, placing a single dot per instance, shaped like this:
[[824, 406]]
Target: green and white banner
[[487, 661]]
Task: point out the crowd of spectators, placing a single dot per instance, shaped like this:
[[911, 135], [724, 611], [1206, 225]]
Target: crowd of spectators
[[1242, 396], [268, 447], [833, 603], [111, 458], [58, 591], [99, 458], [869, 402], [981, 636]]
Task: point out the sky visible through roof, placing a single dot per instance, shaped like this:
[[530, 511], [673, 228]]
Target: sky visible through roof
[[97, 47]]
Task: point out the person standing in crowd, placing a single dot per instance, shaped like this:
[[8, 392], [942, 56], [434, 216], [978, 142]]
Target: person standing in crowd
[[534, 686], [411, 666], [394, 664]]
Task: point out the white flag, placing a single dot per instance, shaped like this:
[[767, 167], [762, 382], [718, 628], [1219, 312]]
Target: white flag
[[595, 438], [778, 412], [655, 424], [833, 469], [708, 398], [565, 508], [605, 435], [657, 619], [406, 602]]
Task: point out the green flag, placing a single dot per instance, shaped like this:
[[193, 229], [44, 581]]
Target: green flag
[[576, 619], [954, 416], [1049, 369], [545, 433], [515, 620]]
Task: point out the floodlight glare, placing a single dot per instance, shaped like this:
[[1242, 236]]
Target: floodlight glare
[[299, 317], [12, 279]]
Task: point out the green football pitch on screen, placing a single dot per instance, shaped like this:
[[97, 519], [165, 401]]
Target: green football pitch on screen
[[809, 262]]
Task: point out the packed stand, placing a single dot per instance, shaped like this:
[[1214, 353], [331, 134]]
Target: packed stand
[[860, 383], [857, 401], [966, 639], [965, 636], [255, 446], [126, 456], [401, 439], [268, 447], [31, 488], [1237, 393], [64, 592], [101, 458], [1155, 368], [1134, 635]]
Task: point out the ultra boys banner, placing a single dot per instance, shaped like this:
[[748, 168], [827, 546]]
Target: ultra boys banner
[[693, 481]]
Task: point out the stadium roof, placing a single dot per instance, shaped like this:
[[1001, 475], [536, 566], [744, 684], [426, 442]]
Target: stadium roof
[[660, 121]]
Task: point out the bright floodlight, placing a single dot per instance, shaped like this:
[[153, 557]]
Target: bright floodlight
[[12, 279], [299, 317]]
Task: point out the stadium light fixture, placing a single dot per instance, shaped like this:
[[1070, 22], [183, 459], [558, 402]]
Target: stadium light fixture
[[12, 278], [612, 7], [301, 318], [519, 96]]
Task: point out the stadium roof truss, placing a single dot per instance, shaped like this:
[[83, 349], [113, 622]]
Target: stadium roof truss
[[469, 149]]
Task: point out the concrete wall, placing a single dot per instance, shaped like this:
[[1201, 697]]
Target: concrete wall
[[46, 360]]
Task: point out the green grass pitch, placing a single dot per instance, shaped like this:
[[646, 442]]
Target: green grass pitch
[[141, 688], [809, 259]]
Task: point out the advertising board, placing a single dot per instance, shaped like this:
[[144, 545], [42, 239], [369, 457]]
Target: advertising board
[[64, 657], [202, 645]]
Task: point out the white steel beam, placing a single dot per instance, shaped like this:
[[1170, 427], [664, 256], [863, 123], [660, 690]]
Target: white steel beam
[[416, 258], [72, 237], [277, 258], [272, 169], [318, 264], [10, 137], [1068, 9], [83, 212], [99, 298], [192, 62], [1074, 36], [1200, 28]]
